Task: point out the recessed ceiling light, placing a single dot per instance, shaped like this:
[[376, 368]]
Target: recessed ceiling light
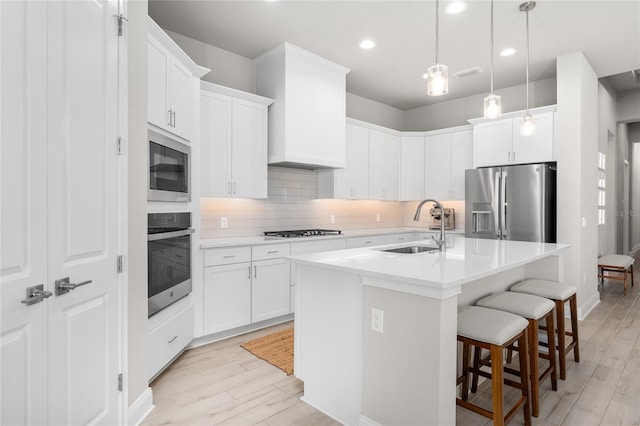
[[456, 7], [508, 51], [367, 44]]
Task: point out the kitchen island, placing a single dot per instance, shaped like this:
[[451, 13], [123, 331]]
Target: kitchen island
[[375, 331]]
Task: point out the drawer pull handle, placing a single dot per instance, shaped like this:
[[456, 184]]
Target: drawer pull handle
[[230, 256], [273, 251], [173, 339]]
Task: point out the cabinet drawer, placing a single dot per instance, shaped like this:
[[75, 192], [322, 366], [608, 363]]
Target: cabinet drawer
[[357, 242], [227, 255], [270, 251], [169, 339], [399, 238]]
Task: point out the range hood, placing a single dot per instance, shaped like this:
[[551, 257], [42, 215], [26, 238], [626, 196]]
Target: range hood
[[307, 119]]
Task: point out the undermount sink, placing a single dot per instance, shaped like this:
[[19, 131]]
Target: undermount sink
[[410, 249]]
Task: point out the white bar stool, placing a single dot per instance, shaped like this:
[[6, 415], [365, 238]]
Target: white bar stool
[[534, 309], [494, 330], [560, 294]]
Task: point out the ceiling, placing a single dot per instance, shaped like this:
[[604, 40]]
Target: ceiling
[[606, 31]]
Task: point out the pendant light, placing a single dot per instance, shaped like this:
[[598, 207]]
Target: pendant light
[[438, 74], [493, 102], [528, 123]]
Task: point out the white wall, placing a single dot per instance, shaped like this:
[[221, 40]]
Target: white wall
[[577, 135], [457, 111], [137, 151], [628, 106], [374, 112], [227, 69]]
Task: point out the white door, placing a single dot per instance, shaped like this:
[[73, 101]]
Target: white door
[[23, 136], [227, 297], [60, 357]]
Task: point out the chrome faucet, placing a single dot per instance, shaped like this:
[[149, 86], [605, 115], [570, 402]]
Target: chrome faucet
[[440, 242]]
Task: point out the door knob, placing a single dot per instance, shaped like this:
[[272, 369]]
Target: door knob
[[35, 294], [63, 285]]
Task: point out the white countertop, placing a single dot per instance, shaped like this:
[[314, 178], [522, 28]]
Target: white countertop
[[257, 240], [434, 274]]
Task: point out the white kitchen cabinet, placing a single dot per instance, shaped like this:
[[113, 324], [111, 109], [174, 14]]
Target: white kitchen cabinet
[[172, 84], [372, 240], [270, 289], [447, 155], [306, 123], [498, 142], [383, 166], [352, 181], [233, 135], [227, 288], [400, 238], [169, 339], [411, 168]]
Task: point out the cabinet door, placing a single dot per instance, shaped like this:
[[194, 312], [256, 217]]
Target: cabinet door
[[536, 148], [358, 162], [227, 297], [270, 292], [158, 84], [249, 149], [181, 100], [215, 142], [437, 166], [492, 144], [383, 166], [461, 160], [411, 168]]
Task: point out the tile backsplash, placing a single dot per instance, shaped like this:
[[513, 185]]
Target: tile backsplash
[[292, 204]]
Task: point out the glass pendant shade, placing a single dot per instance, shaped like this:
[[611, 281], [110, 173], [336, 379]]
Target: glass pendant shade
[[437, 80], [528, 125], [492, 106]]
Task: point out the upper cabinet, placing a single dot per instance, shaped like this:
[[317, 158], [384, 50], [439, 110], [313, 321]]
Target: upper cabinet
[[498, 142], [306, 122], [172, 84], [383, 165], [233, 137], [411, 168], [448, 153]]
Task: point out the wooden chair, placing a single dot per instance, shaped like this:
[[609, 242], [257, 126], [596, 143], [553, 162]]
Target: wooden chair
[[494, 330], [618, 264]]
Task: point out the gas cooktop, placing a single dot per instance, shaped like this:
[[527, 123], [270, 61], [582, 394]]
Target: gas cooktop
[[302, 233]]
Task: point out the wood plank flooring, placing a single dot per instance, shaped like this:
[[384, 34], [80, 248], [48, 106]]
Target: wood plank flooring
[[223, 384]]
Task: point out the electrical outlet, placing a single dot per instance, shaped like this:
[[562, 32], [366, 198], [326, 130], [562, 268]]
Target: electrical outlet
[[377, 320], [378, 217], [224, 223], [332, 218]]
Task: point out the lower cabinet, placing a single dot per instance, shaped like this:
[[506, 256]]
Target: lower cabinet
[[168, 339], [244, 285], [372, 240]]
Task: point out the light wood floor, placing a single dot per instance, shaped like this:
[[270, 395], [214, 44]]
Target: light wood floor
[[222, 384]]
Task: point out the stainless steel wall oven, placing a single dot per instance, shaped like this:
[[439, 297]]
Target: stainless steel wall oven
[[169, 258], [169, 169]]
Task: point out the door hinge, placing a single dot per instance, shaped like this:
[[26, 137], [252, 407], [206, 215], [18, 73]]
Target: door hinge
[[120, 382], [121, 18], [120, 146], [119, 264]]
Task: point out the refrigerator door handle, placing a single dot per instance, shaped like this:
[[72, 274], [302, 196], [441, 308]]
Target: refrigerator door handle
[[503, 201], [496, 204]]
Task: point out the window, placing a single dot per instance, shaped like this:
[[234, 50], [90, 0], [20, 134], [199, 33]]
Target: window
[[602, 188]]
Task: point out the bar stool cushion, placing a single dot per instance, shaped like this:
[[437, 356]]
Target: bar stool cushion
[[489, 325], [544, 288], [525, 305], [616, 261]]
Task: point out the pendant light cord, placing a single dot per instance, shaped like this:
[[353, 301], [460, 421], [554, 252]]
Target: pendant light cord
[[527, 60], [437, 33], [492, 47]]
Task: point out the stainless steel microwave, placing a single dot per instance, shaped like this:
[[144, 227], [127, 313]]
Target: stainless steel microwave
[[169, 169]]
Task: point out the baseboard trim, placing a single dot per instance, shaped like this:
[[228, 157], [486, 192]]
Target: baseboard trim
[[326, 412], [210, 338], [366, 421], [586, 308], [141, 408]]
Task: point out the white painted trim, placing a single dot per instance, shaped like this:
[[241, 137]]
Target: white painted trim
[[205, 87], [366, 421], [514, 114], [586, 308], [323, 411], [141, 408]]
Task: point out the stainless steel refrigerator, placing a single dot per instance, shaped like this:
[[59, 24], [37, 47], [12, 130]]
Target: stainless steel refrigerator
[[511, 202]]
